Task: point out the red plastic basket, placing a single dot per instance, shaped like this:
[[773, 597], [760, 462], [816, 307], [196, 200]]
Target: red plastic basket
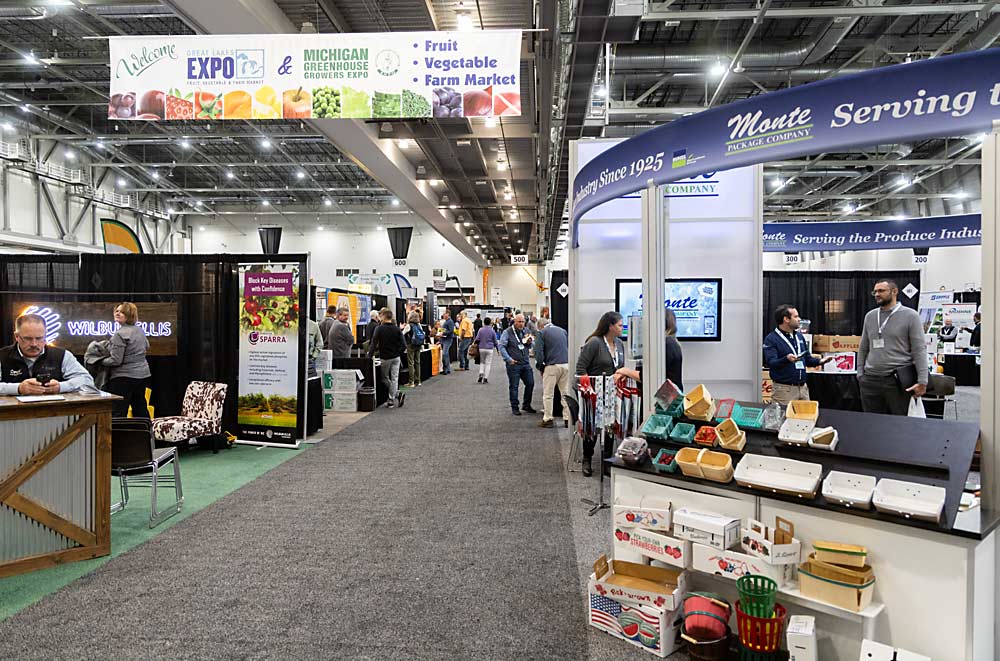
[[760, 634], [706, 615]]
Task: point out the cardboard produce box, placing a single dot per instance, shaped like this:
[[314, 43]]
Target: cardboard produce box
[[653, 629], [733, 564], [647, 512], [722, 532], [655, 545], [640, 585], [845, 587], [776, 546], [835, 343]]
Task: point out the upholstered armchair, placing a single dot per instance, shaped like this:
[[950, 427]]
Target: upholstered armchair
[[201, 414]]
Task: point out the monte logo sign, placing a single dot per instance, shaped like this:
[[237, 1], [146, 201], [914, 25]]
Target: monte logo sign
[[753, 131]]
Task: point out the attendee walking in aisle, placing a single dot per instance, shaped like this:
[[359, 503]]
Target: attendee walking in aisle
[[465, 335], [374, 320], [514, 345], [508, 319], [129, 370], [486, 340], [892, 360], [387, 343], [414, 336], [531, 324], [948, 332], [446, 338], [28, 367], [552, 357], [327, 322], [478, 323], [786, 355], [339, 338], [675, 356], [603, 354]]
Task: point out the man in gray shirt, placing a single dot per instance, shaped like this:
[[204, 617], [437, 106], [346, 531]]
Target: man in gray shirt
[[552, 357], [340, 339], [892, 346], [324, 326]]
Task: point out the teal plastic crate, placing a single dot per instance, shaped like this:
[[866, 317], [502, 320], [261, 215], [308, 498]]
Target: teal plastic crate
[[683, 432], [676, 408], [748, 416], [670, 466], [658, 426]]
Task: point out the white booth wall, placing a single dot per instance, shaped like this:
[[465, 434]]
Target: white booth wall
[[708, 237], [956, 268]]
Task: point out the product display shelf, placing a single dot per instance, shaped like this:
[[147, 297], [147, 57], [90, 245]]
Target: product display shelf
[[933, 452]]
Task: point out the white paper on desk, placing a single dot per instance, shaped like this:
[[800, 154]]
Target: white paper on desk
[[40, 398]]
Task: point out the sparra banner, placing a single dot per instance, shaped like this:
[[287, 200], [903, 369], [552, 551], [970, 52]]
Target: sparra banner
[[947, 96], [962, 230], [270, 395], [321, 76]]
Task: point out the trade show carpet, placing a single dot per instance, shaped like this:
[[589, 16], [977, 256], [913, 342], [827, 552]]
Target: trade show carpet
[[438, 531], [205, 477]]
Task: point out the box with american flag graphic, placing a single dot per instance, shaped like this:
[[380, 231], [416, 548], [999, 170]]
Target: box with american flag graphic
[[651, 628]]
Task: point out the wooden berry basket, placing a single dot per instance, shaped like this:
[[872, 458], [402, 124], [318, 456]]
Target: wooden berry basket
[[731, 437], [705, 464]]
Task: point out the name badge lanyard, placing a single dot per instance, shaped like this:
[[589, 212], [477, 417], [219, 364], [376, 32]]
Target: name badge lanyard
[[881, 325], [613, 352], [797, 349]]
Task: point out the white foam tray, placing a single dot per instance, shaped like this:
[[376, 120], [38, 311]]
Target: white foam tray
[[909, 499], [849, 489], [822, 446], [796, 431], [777, 474]]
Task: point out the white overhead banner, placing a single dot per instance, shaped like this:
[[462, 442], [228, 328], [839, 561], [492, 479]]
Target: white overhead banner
[[324, 76]]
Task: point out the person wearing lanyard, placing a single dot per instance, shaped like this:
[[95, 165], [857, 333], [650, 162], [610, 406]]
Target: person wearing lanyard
[[513, 346], [603, 354], [786, 357], [892, 359]]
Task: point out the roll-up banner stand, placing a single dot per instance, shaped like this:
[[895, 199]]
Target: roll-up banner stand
[[407, 75], [273, 304], [947, 96]]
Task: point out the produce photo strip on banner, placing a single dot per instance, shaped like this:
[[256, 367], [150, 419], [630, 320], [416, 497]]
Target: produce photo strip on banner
[[321, 76], [270, 407]]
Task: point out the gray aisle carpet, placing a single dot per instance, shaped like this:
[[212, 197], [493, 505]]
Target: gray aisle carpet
[[439, 531]]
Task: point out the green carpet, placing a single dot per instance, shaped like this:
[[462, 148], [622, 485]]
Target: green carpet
[[205, 477]]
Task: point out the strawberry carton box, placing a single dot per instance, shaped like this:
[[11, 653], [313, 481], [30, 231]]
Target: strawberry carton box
[[647, 512], [733, 564], [640, 585], [655, 545], [654, 629], [776, 546]]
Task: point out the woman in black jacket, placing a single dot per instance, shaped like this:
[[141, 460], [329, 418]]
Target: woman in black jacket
[[387, 343], [603, 354], [675, 357]]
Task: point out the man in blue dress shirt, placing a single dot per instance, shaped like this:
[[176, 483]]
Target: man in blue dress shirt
[[787, 357]]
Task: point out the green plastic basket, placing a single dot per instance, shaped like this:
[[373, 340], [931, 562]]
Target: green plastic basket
[[676, 408], [670, 467], [683, 432], [747, 416], [658, 426], [757, 594]]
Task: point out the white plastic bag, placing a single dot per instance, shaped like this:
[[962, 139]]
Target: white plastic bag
[[916, 408]]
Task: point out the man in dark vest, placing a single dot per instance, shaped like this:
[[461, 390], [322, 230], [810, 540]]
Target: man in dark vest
[[31, 368]]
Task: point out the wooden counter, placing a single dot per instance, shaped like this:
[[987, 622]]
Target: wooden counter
[[55, 481]]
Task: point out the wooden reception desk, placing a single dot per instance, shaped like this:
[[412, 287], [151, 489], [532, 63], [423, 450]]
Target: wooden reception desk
[[55, 481]]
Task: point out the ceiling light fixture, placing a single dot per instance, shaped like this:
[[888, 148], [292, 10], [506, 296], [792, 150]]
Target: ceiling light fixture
[[513, 213], [30, 58], [7, 126], [265, 143], [960, 195], [185, 144], [452, 206], [404, 144], [327, 202], [155, 175], [465, 23], [265, 203], [379, 228], [601, 92], [25, 108], [502, 166], [70, 155], [121, 181], [230, 175], [508, 195], [904, 182], [320, 228], [848, 207], [300, 175], [718, 69], [435, 182], [201, 228], [395, 202], [467, 223]]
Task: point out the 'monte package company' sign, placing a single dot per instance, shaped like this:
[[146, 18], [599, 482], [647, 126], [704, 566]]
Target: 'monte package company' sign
[[961, 230], [72, 326], [321, 76]]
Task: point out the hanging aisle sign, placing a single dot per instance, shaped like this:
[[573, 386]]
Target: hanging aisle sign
[[962, 230], [270, 404], [321, 76], [946, 96]]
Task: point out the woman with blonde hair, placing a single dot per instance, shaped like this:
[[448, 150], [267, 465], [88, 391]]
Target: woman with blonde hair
[[129, 369]]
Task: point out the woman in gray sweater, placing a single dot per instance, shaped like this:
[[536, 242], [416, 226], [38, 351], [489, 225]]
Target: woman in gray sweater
[[129, 369], [603, 354]]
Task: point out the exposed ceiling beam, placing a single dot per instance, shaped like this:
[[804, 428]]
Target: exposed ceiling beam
[[655, 12]]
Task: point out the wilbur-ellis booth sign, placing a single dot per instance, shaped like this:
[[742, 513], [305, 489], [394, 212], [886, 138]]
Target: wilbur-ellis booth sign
[[72, 326]]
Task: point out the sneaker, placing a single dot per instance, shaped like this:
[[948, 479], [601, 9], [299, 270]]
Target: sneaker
[[390, 404], [515, 412], [485, 380], [411, 385], [480, 378], [566, 424], [400, 398], [546, 423], [419, 384], [527, 409], [586, 468]]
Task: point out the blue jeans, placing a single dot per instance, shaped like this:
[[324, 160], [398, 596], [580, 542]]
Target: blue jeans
[[463, 352], [446, 356], [520, 372]]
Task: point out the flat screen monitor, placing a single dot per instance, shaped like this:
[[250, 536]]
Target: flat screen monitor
[[696, 302]]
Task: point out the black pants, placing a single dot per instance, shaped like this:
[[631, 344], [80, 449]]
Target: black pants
[[884, 394], [589, 444], [132, 392]]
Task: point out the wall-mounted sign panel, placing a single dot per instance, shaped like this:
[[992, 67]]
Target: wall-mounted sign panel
[[931, 232], [72, 326], [320, 76]]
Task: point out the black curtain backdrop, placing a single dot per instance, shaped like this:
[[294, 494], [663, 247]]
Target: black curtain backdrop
[[205, 288], [835, 302], [558, 303]]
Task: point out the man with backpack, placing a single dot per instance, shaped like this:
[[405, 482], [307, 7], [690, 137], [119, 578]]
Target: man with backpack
[[415, 336]]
